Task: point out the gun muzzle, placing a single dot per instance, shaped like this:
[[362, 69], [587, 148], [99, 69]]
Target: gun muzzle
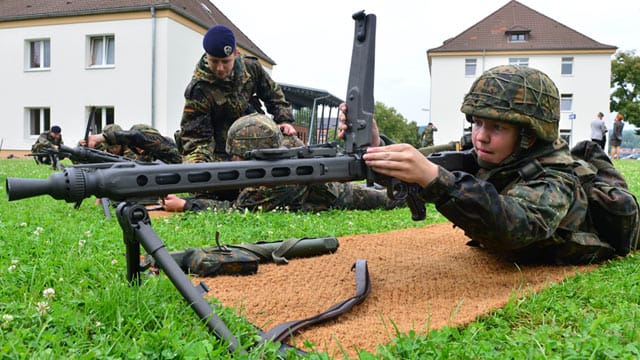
[[66, 185]]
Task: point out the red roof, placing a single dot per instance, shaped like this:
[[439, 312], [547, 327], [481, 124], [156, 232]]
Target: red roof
[[542, 33], [202, 12]]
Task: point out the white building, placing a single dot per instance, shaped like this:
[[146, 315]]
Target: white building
[[517, 34], [131, 60]]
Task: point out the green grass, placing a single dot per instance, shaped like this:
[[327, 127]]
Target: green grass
[[94, 313]]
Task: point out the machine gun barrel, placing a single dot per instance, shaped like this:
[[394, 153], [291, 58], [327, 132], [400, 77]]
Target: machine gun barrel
[[131, 180]]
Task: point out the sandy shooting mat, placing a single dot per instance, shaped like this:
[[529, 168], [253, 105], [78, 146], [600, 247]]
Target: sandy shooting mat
[[422, 278]]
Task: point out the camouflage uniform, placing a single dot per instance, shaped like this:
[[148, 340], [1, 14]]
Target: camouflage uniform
[[45, 142], [427, 136], [143, 143], [213, 104], [540, 216], [258, 131]]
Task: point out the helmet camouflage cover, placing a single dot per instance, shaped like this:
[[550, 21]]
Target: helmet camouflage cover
[[516, 94], [253, 131], [144, 128]]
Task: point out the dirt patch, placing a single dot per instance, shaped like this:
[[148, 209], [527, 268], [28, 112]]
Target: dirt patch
[[421, 279]]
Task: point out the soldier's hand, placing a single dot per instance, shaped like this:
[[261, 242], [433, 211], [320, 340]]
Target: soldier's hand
[[342, 126], [174, 203], [287, 129]]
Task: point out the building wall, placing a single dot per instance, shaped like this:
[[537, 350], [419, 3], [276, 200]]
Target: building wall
[[70, 87], [589, 85]]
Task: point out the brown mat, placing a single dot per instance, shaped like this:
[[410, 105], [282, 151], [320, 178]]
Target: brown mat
[[422, 278]]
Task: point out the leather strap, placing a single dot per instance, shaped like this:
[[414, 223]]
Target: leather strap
[[282, 331]]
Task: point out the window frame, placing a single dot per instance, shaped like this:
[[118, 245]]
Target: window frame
[[104, 115], [564, 100], [519, 61], [566, 61], [467, 65], [44, 52], [39, 120], [107, 49]]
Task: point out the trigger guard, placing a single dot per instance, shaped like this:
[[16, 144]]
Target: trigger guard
[[397, 190]]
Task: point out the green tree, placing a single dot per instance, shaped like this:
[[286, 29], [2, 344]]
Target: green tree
[[394, 125], [625, 84]]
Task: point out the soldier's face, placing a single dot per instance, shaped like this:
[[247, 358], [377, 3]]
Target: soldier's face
[[493, 140], [221, 67]]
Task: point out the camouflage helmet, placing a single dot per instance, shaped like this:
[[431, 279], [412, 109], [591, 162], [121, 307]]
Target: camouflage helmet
[[516, 94], [112, 127], [144, 127], [253, 131]]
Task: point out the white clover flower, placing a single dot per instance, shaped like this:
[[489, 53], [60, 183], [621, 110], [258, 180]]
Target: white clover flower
[[15, 261], [87, 233], [42, 307], [49, 293], [114, 261], [81, 243], [7, 317], [23, 224], [37, 231], [11, 268], [98, 323]]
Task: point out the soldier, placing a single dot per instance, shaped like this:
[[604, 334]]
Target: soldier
[[528, 213], [225, 86], [48, 140], [427, 135], [258, 131], [141, 142]]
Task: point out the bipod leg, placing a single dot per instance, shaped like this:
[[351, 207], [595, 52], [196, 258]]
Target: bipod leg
[[136, 229]]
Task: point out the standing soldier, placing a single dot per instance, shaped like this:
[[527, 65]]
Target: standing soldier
[[48, 140], [427, 135], [225, 86]]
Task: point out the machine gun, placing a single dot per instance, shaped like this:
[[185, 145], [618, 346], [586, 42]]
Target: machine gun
[[130, 181]]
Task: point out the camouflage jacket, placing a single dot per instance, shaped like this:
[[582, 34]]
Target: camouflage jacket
[[144, 145], [45, 141], [542, 217], [212, 105]]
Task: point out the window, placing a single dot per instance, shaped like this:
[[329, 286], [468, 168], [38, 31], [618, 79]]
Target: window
[[103, 116], [519, 35], [566, 102], [567, 66], [519, 61], [470, 67], [102, 50], [39, 120], [39, 54]]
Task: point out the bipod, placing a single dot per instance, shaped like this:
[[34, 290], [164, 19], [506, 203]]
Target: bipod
[[136, 230]]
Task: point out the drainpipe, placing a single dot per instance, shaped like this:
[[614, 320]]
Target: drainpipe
[[313, 115], [153, 67]]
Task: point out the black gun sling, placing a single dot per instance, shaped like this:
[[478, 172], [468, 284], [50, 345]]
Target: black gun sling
[[282, 331]]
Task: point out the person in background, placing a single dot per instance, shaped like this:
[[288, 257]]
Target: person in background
[[257, 131], [616, 136], [225, 86], [427, 135], [48, 140], [141, 142], [599, 130], [521, 199]]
